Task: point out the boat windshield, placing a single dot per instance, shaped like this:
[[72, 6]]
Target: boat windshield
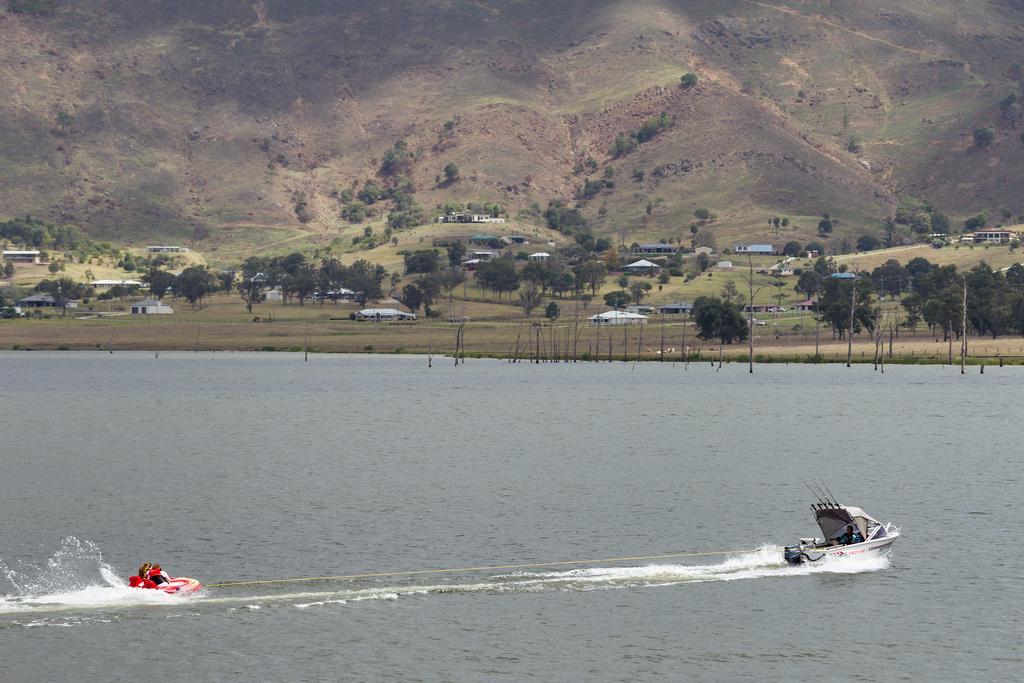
[[875, 531], [833, 522]]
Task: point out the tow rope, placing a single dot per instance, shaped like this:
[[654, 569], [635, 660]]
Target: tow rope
[[466, 570]]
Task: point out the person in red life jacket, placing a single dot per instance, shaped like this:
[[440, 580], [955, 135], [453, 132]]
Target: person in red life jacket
[[142, 580], [158, 575]]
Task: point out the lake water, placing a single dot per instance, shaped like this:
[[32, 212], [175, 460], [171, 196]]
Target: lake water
[[262, 466]]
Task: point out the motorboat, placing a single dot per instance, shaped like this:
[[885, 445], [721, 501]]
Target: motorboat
[[871, 538]]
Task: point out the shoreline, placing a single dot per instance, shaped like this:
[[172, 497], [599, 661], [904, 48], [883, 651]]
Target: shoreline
[[509, 342]]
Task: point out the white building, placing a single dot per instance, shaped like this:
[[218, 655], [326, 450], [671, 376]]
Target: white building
[[724, 265], [618, 318], [641, 266], [274, 294], [656, 248], [151, 307], [761, 249], [468, 218], [540, 256], [381, 314], [993, 236], [107, 284], [26, 256], [164, 249]]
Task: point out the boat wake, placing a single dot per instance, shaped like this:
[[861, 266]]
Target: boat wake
[[77, 579], [765, 562]]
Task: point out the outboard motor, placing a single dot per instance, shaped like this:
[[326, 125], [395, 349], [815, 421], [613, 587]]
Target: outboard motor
[[794, 554]]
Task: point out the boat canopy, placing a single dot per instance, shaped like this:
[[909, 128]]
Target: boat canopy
[[833, 521]]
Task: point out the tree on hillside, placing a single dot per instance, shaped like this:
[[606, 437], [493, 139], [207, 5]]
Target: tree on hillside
[[703, 261], [412, 297], [688, 80], [456, 253], [617, 299], [251, 291], [868, 243], [529, 298], [371, 192], [623, 145], [731, 295], [716, 319], [890, 278], [889, 233], [704, 238], [983, 137], [300, 282], [791, 248], [826, 225], [563, 281], [365, 278], [397, 160], [425, 261], [499, 276], [158, 281], [451, 172], [808, 283], [835, 300], [703, 215], [593, 274], [355, 212], [431, 285], [194, 284], [653, 126], [976, 222], [564, 219], [638, 290]]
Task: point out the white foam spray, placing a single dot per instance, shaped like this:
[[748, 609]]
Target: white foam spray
[[75, 577]]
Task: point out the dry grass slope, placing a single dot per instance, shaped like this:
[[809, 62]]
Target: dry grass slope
[[143, 120]]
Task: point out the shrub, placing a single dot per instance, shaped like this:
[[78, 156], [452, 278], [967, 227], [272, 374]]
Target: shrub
[[868, 243], [983, 137], [622, 145]]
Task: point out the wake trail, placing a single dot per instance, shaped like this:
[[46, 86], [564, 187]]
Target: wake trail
[[77, 580]]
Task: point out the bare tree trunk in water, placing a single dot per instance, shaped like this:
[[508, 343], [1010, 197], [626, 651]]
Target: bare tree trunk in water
[[661, 353], [949, 337], [849, 338], [963, 331], [685, 351], [817, 335]]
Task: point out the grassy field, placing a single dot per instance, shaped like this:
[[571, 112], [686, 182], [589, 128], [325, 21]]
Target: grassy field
[[226, 326], [963, 256]]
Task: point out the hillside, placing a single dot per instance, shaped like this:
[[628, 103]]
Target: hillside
[[243, 124]]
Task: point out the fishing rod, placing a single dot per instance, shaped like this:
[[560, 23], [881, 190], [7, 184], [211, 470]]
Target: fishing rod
[[834, 501], [816, 495]]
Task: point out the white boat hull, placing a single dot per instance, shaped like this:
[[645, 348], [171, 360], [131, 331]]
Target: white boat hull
[[811, 551]]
